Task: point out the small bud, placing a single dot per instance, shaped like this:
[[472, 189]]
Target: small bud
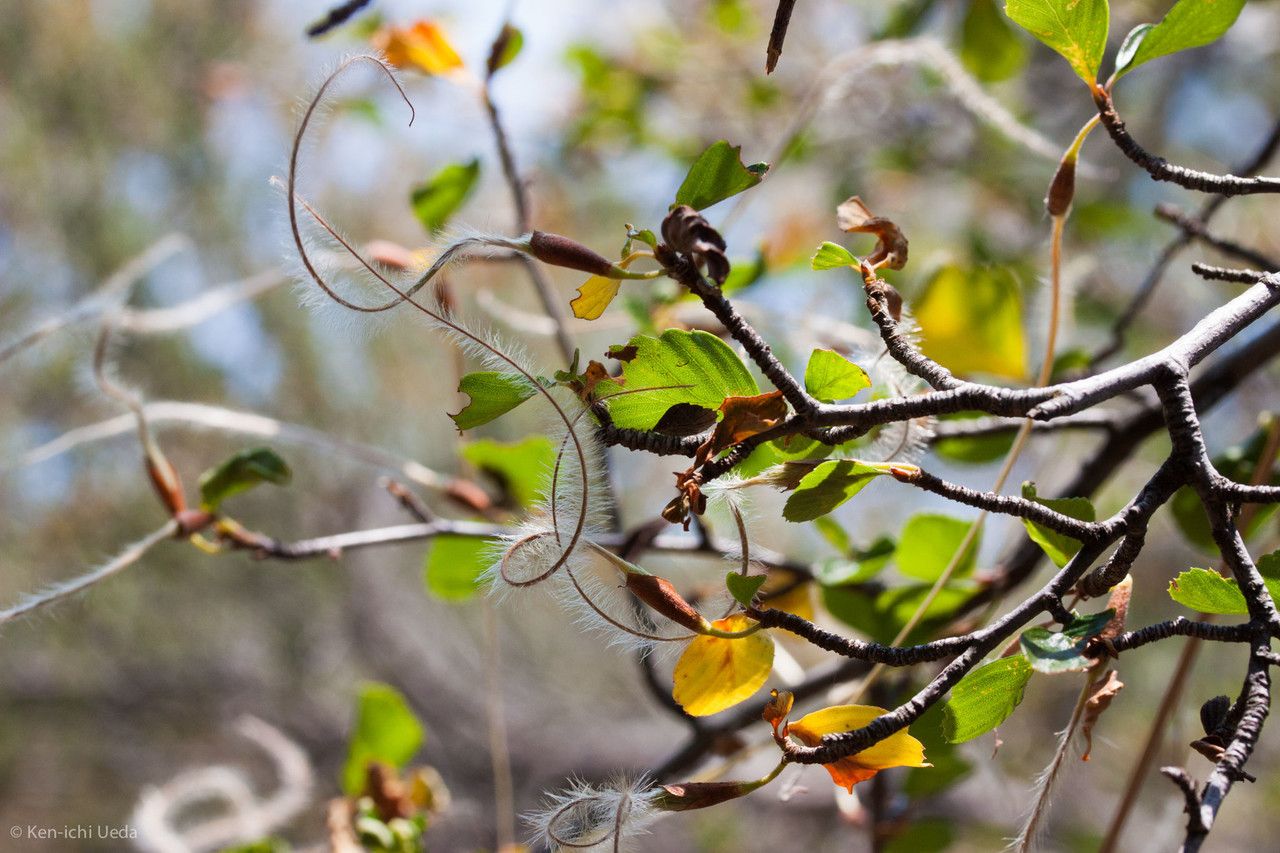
[[1062, 189], [903, 472], [560, 251], [165, 480], [662, 597], [700, 795]]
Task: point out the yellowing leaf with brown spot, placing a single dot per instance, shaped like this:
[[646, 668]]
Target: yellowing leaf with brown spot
[[898, 750], [422, 47], [716, 673]]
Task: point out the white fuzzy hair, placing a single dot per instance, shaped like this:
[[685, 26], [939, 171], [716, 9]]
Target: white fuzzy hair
[[595, 817]]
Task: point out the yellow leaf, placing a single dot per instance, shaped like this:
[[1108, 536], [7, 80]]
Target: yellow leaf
[[716, 673], [594, 296], [422, 47], [971, 321], [898, 750]]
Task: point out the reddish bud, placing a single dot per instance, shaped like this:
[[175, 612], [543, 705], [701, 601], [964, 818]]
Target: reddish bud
[[166, 483], [1062, 189], [700, 795], [662, 597], [560, 251]]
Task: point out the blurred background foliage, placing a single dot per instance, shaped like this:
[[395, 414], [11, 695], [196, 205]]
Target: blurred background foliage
[[128, 120]]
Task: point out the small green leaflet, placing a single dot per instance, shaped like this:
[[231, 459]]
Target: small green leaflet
[[832, 256], [521, 467], [439, 198], [985, 698], [743, 588], [386, 730], [830, 376], [717, 174], [242, 472], [1190, 23], [1063, 651], [677, 367], [1060, 547], [1076, 29], [492, 395], [455, 565], [928, 542], [1206, 591], [828, 485]]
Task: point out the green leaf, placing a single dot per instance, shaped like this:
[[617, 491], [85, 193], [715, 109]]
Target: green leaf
[[1129, 48], [827, 486], [949, 765], [744, 272], [1209, 592], [971, 321], [900, 603], [439, 198], [1063, 651], [988, 46], [507, 47], [928, 543], [1060, 547], [386, 730], [678, 367], [1190, 23], [922, 835], [521, 467], [831, 256], [1076, 29], [837, 537], [973, 449], [455, 565], [830, 376], [492, 395], [865, 564], [856, 607], [743, 588], [985, 698], [718, 174], [240, 473], [1236, 463]]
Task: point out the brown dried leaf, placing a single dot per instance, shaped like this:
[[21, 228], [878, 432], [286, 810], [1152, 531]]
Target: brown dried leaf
[[777, 708], [747, 416], [1119, 602], [891, 244], [1101, 692]]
